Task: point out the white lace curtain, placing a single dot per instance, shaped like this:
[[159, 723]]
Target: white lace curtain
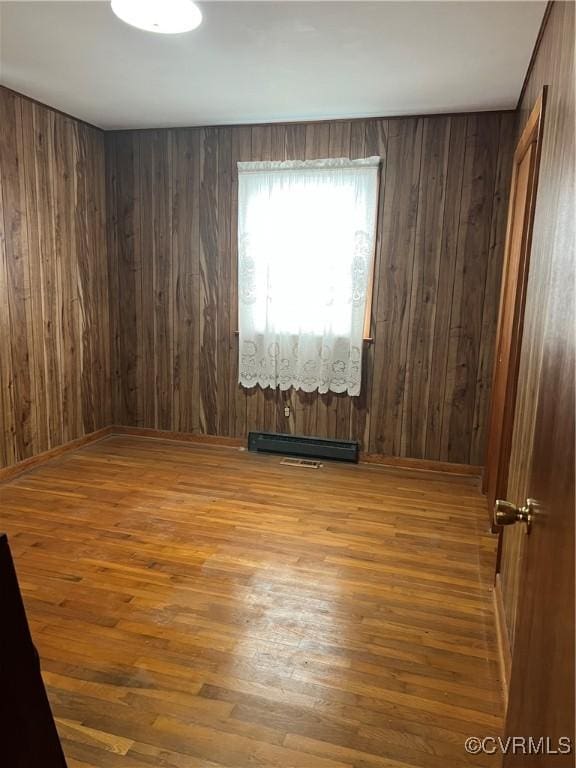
[[306, 237]]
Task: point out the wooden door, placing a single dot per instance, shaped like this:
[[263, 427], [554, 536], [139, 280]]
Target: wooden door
[[512, 297], [541, 700]]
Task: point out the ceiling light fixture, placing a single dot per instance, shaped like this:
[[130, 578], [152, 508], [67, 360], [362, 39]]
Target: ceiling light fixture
[[167, 17]]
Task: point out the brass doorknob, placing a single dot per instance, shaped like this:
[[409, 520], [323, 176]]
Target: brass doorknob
[[506, 513]]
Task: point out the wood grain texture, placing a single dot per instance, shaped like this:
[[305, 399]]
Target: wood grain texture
[[542, 696], [54, 289], [512, 296], [444, 183], [552, 240], [504, 649], [20, 467], [187, 616]]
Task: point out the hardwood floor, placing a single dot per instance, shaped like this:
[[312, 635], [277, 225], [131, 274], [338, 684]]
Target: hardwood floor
[[205, 607]]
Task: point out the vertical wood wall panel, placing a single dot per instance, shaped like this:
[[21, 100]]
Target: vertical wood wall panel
[[8, 422], [54, 292], [224, 338], [241, 151], [398, 224], [163, 340], [424, 284], [471, 268], [185, 163], [493, 276], [130, 303], [45, 159], [376, 144], [118, 279], [338, 406], [141, 210], [440, 401], [444, 185], [209, 384], [18, 297]]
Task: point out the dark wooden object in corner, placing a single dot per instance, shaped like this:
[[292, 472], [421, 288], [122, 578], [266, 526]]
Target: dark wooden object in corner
[[28, 736]]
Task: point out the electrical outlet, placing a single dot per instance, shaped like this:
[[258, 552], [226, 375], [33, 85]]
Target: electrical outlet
[[287, 411]]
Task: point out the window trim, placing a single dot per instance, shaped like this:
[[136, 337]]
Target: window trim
[[367, 336]]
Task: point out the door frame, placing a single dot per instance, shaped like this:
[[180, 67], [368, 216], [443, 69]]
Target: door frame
[[501, 415]]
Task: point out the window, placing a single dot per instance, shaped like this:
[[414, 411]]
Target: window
[[306, 236]]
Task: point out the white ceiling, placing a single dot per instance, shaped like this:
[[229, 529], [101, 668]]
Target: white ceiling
[[269, 61]]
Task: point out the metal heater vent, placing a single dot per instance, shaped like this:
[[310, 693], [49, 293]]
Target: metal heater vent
[[301, 463], [306, 447]]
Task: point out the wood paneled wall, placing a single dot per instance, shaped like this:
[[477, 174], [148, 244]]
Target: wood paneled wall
[[54, 307], [172, 224], [162, 353], [552, 249]]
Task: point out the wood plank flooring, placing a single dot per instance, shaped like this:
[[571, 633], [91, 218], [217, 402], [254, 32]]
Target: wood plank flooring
[[205, 607]]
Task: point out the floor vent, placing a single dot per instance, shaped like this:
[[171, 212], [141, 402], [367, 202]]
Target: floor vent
[[306, 447], [310, 463]]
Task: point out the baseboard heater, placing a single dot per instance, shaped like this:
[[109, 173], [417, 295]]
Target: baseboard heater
[[298, 445]]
